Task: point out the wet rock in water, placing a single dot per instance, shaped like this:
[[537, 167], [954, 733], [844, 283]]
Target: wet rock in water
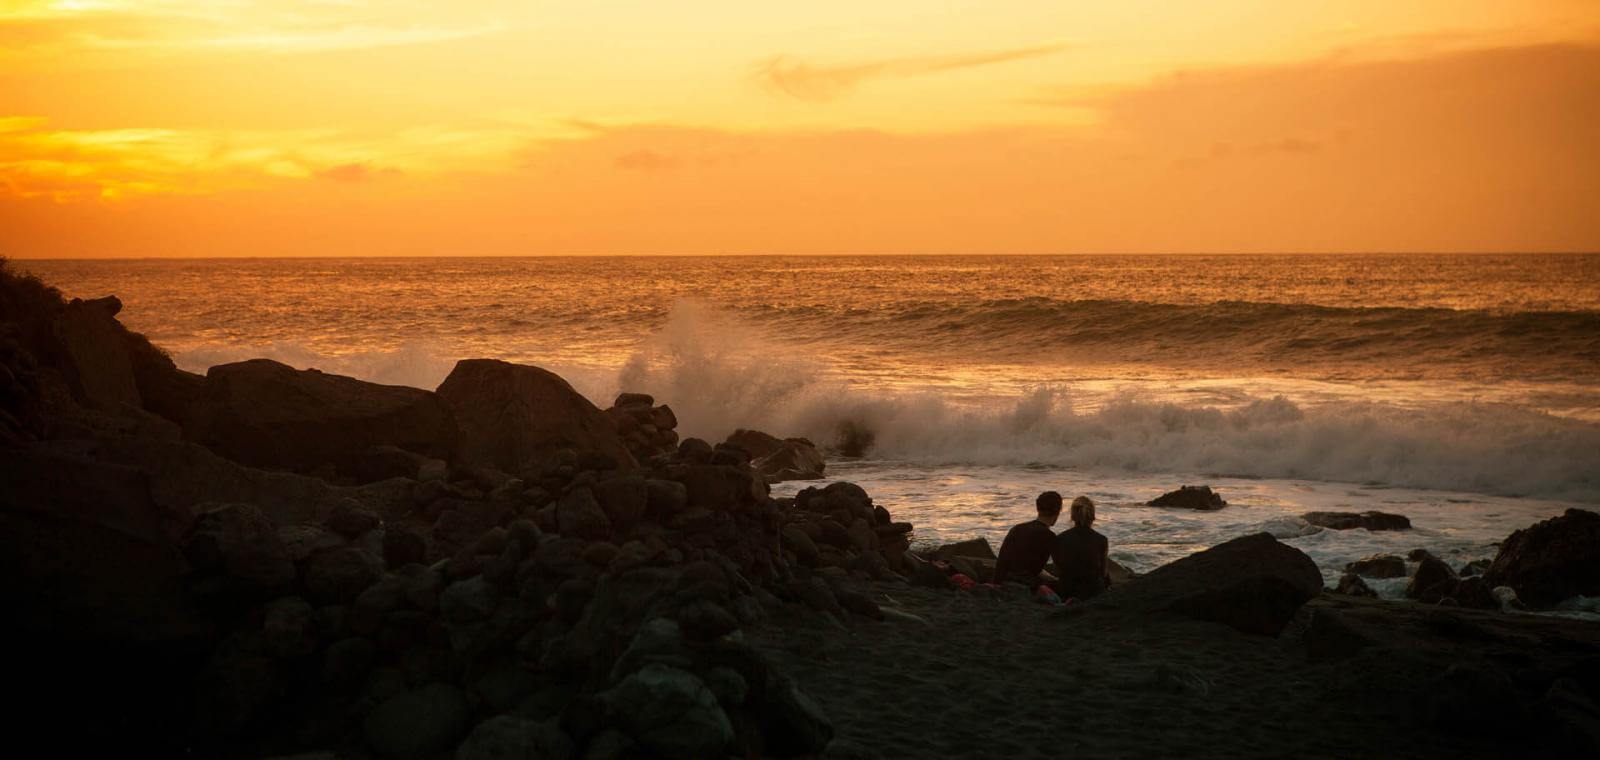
[[1472, 592], [1253, 584], [854, 440], [972, 547], [418, 724], [792, 723], [671, 712], [1378, 566], [1475, 567], [241, 542], [508, 737], [512, 415], [1189, 497], [1552, 560], [266, 414], [1432, 581], [1369, 520], [1350, 584]]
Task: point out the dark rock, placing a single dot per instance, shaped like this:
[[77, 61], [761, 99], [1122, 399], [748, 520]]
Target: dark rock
[[929, 576], [722, 488], [704, 620], [1475, 699], [858, 603], [972, 547], [1189, 497], [99, 364], [1473, 593], [791, 723], [350, 519], [302, 541], [622, 498], [468, 601], [238, 540], [779, 459], [634, 399], [1253, 584], [666, 497], [402, 547], [578, 515], [1417, 555], [1351, 520], [834, 534], [418, 724], [508, 737], [385, 461], [1475, 567], [671, 712], [1552, 560], [289, 629], [1432, 581], [512, 415], [340, 575], [1350, 584], [1332, 636], [267, 414], [1378, 566], [694, 451], [796, 540]]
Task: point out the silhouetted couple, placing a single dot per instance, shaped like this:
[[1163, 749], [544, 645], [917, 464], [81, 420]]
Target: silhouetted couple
[[1079, 551]]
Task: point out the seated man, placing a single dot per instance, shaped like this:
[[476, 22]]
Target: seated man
[[1029, 545], [1081, 555]]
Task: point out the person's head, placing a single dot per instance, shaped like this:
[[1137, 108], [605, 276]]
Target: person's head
[[1049, 505], [1082, 511]]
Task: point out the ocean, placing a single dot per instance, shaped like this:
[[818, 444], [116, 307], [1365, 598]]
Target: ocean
[[1460, 390]]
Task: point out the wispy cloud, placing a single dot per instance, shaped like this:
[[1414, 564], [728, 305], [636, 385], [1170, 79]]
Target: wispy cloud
[[816, 82]]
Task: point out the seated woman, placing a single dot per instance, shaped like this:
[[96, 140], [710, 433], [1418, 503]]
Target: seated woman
[[1081, 555]]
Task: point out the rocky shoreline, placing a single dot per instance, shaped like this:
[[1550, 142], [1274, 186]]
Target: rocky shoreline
[[265, 561]]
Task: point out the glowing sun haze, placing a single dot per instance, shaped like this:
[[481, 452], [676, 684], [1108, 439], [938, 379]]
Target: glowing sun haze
[[489, 127]]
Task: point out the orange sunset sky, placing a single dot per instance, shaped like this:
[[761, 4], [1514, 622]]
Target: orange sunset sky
[[344, 127]]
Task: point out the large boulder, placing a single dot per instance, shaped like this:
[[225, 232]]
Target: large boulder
[[1432, 581], [418, 724], [1189, 497], [98, 363], [671, 712], [1253, 584], [779, 459], [267, 414], [513, 415], [1369, 520], [86, 553], [1552, 560]]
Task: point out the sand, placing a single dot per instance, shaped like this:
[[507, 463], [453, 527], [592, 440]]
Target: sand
[[988, 676]]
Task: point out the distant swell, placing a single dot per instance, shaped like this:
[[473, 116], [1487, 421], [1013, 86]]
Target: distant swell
[[1561, 344]]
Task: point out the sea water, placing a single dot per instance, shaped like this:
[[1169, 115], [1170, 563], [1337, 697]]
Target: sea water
[[1462, 391]]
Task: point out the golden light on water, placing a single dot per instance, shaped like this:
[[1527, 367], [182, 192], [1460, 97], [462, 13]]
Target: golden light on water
[[175, 127]]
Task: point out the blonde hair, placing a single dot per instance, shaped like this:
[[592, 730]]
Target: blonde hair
[[1082, 510]]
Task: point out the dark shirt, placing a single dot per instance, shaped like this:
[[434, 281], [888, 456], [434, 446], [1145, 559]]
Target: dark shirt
[[1081, 558], [1023, 554]]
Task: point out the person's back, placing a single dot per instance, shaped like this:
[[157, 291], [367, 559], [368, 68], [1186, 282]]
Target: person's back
[[1029, 545], [1081, 555]]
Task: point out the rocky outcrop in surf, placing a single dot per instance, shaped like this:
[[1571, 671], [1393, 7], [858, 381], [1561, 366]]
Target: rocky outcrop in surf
[[649, 430], [779, 459], [1190, 497], [1551, 561], [511, 416]]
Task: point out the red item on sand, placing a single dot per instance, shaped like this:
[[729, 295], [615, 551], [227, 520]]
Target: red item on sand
[[964, 581], [1046, 595]]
